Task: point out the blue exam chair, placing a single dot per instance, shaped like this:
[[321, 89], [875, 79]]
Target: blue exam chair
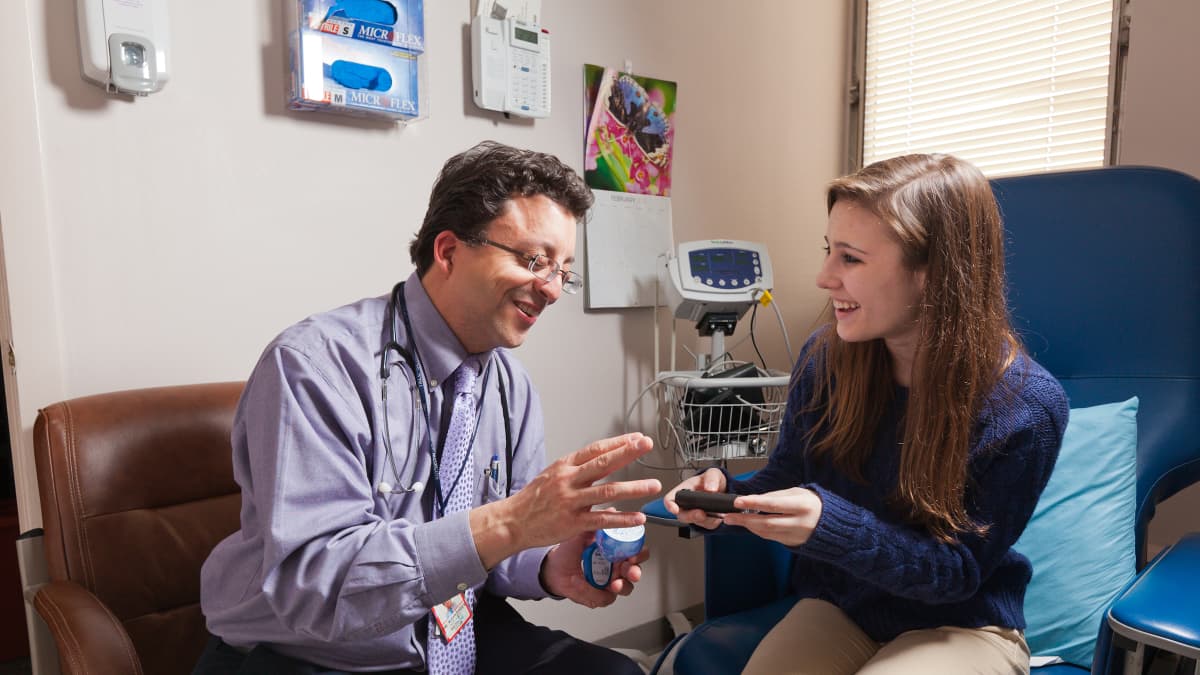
[[1105, 289]]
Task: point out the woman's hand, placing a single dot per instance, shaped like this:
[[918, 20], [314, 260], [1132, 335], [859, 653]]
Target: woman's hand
[[786, 516], [709, 481]]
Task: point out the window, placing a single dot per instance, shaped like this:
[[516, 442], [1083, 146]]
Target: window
[[1014, 86]]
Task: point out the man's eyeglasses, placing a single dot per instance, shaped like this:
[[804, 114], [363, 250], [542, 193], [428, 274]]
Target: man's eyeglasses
[[542, 266]]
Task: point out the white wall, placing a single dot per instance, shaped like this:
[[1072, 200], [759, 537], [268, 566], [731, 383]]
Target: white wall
[[165, 240]]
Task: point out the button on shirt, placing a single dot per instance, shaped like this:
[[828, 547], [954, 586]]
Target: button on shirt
[[326, 568]]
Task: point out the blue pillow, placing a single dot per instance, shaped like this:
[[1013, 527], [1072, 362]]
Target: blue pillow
[[1081, 536]]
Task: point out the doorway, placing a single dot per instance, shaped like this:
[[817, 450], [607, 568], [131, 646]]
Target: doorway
[[14, 633]]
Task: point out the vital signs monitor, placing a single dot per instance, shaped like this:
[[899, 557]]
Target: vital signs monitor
[[716, 276]]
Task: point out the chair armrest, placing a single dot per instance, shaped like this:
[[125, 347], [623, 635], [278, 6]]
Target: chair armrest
[[657, 514], [1161, 607], [89, 637], [741, 570]]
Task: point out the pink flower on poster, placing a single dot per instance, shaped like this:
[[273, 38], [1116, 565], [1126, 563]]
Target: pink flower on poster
[[630, 132]]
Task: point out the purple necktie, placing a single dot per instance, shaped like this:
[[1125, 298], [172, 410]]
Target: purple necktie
[[456, 478]]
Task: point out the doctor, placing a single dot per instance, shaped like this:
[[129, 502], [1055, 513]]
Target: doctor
[[391, 460]]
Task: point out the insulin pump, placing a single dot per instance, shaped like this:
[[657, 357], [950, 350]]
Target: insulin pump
[[611, 547]]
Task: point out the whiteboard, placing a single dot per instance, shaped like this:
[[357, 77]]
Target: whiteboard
[[625, 235]]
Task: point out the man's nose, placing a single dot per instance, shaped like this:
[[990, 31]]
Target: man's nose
[[551, 289]]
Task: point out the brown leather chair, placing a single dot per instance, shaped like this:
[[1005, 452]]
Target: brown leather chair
[[136, 489]]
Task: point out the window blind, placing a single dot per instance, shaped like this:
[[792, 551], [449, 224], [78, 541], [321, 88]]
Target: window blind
[[1014, 86]]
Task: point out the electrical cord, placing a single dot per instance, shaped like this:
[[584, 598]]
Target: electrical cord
[[764, 297], [754, 342], [787, 343], [641, 461]]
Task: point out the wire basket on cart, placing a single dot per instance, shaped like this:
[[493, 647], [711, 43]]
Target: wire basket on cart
[[712, 417]]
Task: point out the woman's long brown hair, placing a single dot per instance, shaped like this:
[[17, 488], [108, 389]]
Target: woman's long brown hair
[[942, 211]]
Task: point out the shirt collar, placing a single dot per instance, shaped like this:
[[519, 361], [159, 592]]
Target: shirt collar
[[440, 349]]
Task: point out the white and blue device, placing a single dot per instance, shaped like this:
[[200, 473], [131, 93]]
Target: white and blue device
[[716, 276], [611, 547]]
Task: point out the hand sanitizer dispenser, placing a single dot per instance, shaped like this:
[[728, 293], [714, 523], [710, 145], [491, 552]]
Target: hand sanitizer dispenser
[[123, 44]]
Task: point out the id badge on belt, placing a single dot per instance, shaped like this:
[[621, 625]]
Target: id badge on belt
[[452, 615]]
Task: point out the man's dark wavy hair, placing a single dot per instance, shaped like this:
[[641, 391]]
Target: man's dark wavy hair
[[474, 187]]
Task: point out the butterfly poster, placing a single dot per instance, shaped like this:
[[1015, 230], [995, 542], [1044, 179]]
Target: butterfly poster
[[630, 132]]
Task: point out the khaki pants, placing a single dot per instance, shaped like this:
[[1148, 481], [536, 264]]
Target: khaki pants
[[818, 638]]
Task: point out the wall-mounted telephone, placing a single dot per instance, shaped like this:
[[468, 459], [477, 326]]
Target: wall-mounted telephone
[[510, 66]]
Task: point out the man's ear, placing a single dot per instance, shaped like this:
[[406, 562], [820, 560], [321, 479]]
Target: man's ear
[[445, 245]]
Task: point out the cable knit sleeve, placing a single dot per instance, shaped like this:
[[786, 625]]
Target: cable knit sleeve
[[1009, 467]]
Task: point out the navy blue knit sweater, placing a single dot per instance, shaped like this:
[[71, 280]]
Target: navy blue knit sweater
[[891, 577]]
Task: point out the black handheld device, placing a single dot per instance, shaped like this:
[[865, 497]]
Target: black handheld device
[[709, 502]]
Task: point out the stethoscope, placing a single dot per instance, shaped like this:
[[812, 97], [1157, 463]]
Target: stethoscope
[[413, 360]]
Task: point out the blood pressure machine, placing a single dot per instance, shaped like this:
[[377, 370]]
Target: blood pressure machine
[[725, 409], [713, 282]]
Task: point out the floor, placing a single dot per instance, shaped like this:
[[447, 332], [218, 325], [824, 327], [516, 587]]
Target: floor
[[646, 654], [646, 661]]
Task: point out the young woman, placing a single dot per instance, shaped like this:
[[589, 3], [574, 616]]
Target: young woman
[[917, 439]]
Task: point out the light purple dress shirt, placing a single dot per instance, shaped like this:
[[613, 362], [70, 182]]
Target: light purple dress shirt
[[325, 568]]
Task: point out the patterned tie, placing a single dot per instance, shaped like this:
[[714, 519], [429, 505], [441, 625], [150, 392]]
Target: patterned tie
[[456, 476]]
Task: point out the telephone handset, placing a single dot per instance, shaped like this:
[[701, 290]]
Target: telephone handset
[[510, 66]]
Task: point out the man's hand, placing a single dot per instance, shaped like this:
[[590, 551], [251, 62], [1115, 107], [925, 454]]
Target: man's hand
[[709, 481], [562, 574], [557, 504], [789, 516]]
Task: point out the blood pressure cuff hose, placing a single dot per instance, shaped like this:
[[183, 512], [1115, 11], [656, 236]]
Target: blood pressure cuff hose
[[354, 75]]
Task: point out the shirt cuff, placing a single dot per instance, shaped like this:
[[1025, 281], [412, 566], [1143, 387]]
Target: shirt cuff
[[447, 556], [546, 591], [518, 576]]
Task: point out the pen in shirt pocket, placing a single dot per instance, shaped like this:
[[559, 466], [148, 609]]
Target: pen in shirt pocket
[[494, 470]]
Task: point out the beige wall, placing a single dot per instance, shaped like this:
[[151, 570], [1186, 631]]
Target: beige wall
[[165, 240], [1158, 128], [1162, 101]]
